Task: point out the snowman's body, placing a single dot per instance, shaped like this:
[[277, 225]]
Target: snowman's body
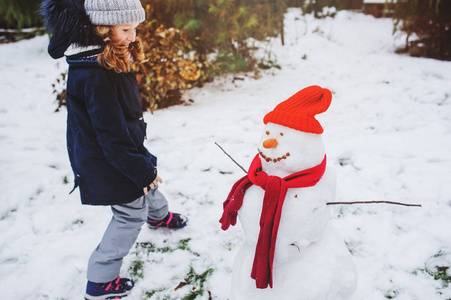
[[311, 261]]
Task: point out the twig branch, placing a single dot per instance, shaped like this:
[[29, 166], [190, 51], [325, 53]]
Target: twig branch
[[231, 158], [374, 202], [334, 203]]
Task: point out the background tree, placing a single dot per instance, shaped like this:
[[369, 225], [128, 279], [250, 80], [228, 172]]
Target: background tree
[[428, 27], [16, 15], [222, 27]]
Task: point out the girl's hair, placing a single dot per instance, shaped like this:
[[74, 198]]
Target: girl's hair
[[119, 57]]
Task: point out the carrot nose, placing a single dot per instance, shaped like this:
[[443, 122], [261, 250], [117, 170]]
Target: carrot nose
[[270, 143]]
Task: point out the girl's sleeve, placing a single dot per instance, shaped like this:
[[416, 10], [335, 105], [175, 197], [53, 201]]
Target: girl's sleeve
[[112, 132]]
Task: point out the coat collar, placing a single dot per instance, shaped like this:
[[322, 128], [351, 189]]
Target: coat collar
[[79, 56]]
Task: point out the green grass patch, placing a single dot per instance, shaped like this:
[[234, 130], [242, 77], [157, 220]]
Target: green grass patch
[[149, 247], [142, 257], [198, 282], [440, 273]]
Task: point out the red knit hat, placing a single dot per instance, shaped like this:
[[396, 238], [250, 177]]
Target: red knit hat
[[298, 112]]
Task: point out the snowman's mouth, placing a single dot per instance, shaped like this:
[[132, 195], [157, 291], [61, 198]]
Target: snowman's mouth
[[268, 159]]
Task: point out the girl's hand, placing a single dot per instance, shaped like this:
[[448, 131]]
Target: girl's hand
[[153, 184]]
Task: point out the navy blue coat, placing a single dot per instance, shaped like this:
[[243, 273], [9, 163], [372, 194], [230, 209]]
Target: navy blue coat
[[105, 133]]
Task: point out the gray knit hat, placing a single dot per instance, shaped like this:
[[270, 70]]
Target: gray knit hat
[[114, 12]]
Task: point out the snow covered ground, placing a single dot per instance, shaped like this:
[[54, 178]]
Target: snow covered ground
[[387, 135]]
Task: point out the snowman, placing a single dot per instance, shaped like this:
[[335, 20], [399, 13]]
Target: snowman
[[290, 250]]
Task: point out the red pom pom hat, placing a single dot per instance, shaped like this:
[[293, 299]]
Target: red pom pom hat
[[298, 112]]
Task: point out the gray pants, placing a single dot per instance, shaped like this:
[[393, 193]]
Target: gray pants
[[106, 260]]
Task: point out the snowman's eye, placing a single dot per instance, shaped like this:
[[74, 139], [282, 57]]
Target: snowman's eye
[[267, 132], [281, 133]]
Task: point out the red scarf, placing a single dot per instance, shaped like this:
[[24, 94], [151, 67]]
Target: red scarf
[[275, 190]]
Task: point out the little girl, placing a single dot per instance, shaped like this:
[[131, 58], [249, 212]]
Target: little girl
[[106, 130]]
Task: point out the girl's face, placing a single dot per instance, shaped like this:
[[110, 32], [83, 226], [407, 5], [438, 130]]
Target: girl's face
[[124, 33]]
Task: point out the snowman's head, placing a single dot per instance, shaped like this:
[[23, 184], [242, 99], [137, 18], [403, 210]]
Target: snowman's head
[[284, 150], [291, 139]]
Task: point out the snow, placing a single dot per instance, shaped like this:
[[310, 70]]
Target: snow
[[387, 135]]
